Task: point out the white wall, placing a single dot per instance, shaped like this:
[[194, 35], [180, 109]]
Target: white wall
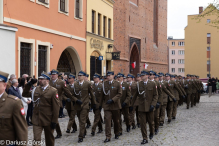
[[7, 49]]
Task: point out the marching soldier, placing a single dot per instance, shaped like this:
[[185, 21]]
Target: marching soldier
[[88, 120], [112, 93], [125, 102], [82, 93], [70, 105], [200, 88], [46, 109], [194, 90], [181, 82], [98, 93], [138, 79], [13, 125], [189, 89], [61, 87], [133, 88], [147, 93]]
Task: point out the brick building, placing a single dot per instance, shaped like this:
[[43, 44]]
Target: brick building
[[140, 33]]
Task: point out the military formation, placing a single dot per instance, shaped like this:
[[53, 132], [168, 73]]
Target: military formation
[[134, 100]]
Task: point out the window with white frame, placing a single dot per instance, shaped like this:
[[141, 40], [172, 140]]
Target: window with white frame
[[181, 61], [78, 9], [208, 48], [208, 35], [208, 62], [173, 52], [173, 70], [43, 2], [173, 43], [181, 52], [64, 6], [208, 20], [181, 43], [181, 70], [173, 61]]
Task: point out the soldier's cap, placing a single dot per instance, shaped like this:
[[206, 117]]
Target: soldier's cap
[[96, 75], [172, 76], [138, 74], [54, 72], [144, 72], [82, 73], [179, 76], [3, 76], [71, 76], [104, 77], [124, 77], [130, 76], [156, 76], [188, 75], [152, 72], [115, 77], [161, 74], [49, 73], [192, 75], [87, 75], [197, 76], [109, 72], [167, 74], [120, 75], [44, 75], [60, 75]]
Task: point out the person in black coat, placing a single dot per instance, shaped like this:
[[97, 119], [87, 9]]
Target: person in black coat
[[213, 84], [13, 90]]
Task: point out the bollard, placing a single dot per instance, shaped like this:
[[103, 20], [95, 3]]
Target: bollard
[[210, 91]]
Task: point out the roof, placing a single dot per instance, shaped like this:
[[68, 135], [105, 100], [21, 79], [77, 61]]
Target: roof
[[7, 27]]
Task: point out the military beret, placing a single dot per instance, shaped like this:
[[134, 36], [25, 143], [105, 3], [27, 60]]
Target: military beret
[[110, 72], [3, 76], [130, 76], [144, 72], [54, 72], [44, 75], [96, 75], [82, 73], [120, 74], [71, 76]]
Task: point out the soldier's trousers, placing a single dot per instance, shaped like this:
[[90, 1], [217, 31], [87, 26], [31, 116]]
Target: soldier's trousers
[[88, 120], [144, 118], [174, 108], [125, 112], [58, 129], [97, 120], [199, 95], [162, 112], [115, 116], [157, 117], [169, 109], [49, 138], [192, 99], [132, 116], [82, 117], [188, 100], [71, 122]]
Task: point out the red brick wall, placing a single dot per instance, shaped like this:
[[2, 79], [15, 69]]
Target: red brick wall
[[137, 22]]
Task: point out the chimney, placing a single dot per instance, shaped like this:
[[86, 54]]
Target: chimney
[[200, 10]]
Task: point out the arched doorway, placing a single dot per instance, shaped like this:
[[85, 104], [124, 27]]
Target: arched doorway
[[95, 64], [134, 57], [69, 61]]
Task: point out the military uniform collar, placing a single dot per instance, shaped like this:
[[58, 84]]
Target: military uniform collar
[[44, 88], [54, 80], [96, 84], [81, 83], [121, 82], [111, 81], [1, 94]]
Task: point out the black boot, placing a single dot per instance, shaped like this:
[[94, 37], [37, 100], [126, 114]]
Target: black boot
[[156, 131], [151, 135], [116, 136], [161, 124], [80, 140], [120, 134], [92, 133], [73, 131], [144, 141], [106, 140], [88, 126], [174, 118], [58, 136], [67, 131], [133, 127], [138, 125], [169, 120], [128, 128], [100, 131]]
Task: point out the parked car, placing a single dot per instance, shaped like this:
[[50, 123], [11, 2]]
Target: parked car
[[205, 86]]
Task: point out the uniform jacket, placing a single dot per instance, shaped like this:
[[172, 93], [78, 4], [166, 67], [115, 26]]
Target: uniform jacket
[[61, 87], [194, 86], [147, 95], [173, 88], [98, 93], [188, 86], [166, 92], [126, 94], [13, 125], [112, 91], [177, 90], [69, 105], [160, 92], [181, 87], [46, 109], [133, 89], [83, 93]]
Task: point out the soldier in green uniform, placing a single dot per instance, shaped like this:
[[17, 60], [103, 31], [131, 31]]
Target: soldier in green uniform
[[125, 102], [188, 88], [98, 93], [138, 79], [194, 91], [147, 93]]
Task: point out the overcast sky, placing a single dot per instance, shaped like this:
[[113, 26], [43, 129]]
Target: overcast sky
[[177, 15]]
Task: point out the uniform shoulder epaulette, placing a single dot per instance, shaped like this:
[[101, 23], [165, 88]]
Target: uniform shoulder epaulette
[[13, 97]]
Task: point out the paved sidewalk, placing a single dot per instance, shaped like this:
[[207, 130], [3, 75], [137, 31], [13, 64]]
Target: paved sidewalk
[[198, 126]]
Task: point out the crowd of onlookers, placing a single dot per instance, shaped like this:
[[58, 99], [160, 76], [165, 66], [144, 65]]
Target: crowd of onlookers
[[214, 82]]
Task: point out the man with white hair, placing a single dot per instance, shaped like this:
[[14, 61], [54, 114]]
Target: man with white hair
[[12, 76], [13, 90], [25, 76]]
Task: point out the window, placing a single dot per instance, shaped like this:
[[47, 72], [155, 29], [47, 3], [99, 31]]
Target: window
[[93, 21], [173, 43], [208, 62], [181, 52], [181, 70], [99, 25], [173, 61], [79, 9], [63, 6], [104, 26], [208, 38], [208, 48], [25, 59], [173, 52], [42, 59], [208, 20], [173, 70], [109, 28], [180, 43], [43, 2], [208, 35], [181, 61]]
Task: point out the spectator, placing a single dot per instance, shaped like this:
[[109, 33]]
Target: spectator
[[24, 100], [25, 76], [217, 86], [13, 90], [213, 84], [10, 82]]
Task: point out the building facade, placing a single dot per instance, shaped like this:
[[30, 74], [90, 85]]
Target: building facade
[[51, 34], [201, 46], [99, 36], [140, 33], [176, 56]]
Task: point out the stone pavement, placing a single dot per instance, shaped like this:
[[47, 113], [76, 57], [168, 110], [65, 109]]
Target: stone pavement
[[198, 126]]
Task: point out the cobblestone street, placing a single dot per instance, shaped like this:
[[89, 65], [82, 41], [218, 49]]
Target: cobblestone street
[[197, 126]]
